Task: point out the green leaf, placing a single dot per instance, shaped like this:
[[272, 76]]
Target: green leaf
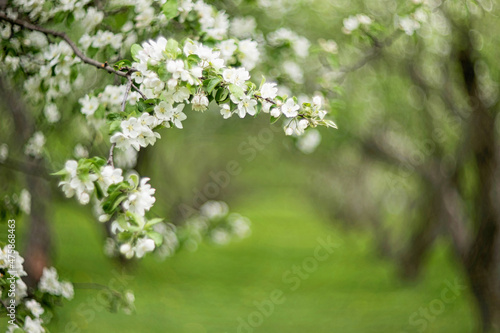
[[163, 73], [98, 161], [124, 236], [113, 201], [193, 60], [98, 191], [134, 50], [251, 86], [274, 119], [152, 222], [156, 237], [221, 95], [114, 126], [172, 49], [236, 91], [134, 219], [212, 83], [170, 9], [122, 63], [59, 173], [135, 179], [262, 82]]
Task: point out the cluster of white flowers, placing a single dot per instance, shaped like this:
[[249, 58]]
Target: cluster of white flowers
[[213, 22], [12, 261], [141, 199], [317, 113], [126, 159], [411, 23], [214, 209], [102, 39], [25, 201], [49, 283], [89, 105], [80, 151], [31, 325], [215, 223], [51, 113], [300, 45], [34, 146], [243, 27], [138, 132], [60, 59], [4, 152], [81, 183], [353, 23], [294, 71], [142, 246], [170, 241]]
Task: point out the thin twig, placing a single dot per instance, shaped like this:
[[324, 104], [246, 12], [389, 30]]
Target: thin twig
[[140, 92], [110, 158], [127, 90], [76, 50], [124, 103], [25, 168], [96, 286], [372, 54], [264, 99]]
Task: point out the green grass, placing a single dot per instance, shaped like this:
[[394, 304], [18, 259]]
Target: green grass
[[354, 290], [208, 290]]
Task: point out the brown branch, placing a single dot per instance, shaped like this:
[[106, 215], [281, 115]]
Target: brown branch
[[62, 35], [27, 169], [372, 54], [264, 99], [110, 158], [140, 92], [127, 90]]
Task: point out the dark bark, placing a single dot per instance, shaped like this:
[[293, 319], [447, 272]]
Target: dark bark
[[482, 259], [423, 238], [37, 251]]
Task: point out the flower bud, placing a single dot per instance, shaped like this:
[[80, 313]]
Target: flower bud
[[200, 102]]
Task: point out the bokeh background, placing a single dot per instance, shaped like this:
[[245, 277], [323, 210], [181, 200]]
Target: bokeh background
[[406, 188]]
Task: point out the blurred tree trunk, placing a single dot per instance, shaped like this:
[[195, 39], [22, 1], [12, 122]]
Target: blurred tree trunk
[[482, 261], [422, 239], [38, 240]]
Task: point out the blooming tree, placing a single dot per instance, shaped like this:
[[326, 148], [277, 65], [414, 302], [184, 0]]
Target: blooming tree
[[166, 60]]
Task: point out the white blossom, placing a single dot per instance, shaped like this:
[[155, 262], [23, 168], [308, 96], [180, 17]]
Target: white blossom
[[249, 54], [49, 282], [35, 308], [25, 201], [290, 109], [4, 152], [225, 111], [51, 113], [35, 144], [109, 176], [246, 106], [140, 200], [67, 290], [243, 27], [269, 90], [143, 246], [33, 325], [199, 102], [89, 105]]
